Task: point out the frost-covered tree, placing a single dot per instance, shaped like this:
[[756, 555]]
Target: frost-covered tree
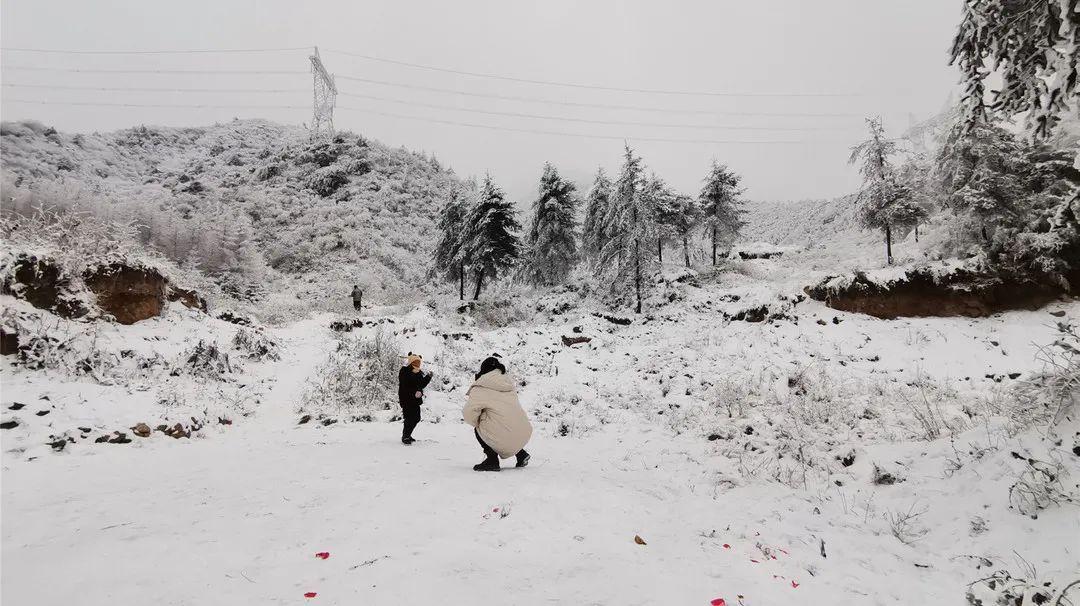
[[1019, 198], [721, 205], [449, 261], [685, 219], [492, 244], [1033, 46], [552, 240], [664, 200], [627, 256], [593, 229], [884, 201]]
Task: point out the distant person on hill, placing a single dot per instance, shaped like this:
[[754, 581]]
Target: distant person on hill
[[501, 425], [357, 297], [411, 384]]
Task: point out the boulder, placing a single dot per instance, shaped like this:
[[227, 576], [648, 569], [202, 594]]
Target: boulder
[[142, 430]]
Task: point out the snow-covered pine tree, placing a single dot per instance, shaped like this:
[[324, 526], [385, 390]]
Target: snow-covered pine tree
[[684, 221], [664, 201], [1034, 46], [552, 239], [1020, 199], [721, 206], [593, 230], [450, 251], [492, 243], [627, 255], [884, 202]]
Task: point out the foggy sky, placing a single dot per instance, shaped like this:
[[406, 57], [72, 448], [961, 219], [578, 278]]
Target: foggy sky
[[886, 57]]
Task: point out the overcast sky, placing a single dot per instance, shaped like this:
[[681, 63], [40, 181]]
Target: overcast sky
[[822, 57]]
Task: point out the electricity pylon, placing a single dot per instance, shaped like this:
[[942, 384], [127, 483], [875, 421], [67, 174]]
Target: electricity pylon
[[322, 120]]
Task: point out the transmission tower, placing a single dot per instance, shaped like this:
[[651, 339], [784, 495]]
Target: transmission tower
[[322, 120]]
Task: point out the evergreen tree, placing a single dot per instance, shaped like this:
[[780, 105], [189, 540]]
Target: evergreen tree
[[631, 229], [450, 250], [685, 219], [884, 201], [721, 206], [664, 201], [492, 243], [552, 238], [1034, 46], [593, 232]]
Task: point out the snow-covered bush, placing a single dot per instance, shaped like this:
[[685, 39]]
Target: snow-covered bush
[[205, 361], [1039, 487], [358, 378], [255, 345]]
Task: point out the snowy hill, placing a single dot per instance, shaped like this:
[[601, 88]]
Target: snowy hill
[[333, 213]]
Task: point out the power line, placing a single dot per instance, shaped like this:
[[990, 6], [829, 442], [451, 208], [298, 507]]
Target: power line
[[581, 120], [588, 86], [152, 89], [168, 105], [153, 71], [151, 52], [582, 135], [602, 105]]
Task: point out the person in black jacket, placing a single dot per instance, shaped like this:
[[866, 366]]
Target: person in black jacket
[[411, 384]]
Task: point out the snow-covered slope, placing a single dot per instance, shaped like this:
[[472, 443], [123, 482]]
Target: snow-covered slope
[[345, 211]]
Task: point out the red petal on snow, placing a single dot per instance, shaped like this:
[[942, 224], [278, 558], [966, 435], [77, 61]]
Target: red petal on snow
[[726, 546], [755, 561], [719, 602], [784, 552], [310, 594], [322, 555], [772, 557], [794, 584]]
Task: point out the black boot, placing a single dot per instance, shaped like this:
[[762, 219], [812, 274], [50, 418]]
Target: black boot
[[489, 464], [522, 459], [407, 440]]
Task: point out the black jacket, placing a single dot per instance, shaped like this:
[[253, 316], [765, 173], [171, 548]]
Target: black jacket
[[409, 383]]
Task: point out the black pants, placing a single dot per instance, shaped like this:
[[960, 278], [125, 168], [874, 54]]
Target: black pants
[[489, 452], [411, 416], [356, 304]]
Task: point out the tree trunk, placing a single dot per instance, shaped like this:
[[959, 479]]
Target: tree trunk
[[637, 274], [479, 283], [686, 251], [461, 280], [888, 242], [660, 250], [714, 246], [916, 232]]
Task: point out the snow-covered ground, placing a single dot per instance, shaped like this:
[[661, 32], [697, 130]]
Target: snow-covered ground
[[742, 453]]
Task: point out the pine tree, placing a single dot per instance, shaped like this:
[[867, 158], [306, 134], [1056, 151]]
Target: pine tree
[[1034, 46], [492, 244], [594, 232], [664, 201], [450, 250], [721, 206], [685, 219], [631, 229], [552, 238], [884, 201]]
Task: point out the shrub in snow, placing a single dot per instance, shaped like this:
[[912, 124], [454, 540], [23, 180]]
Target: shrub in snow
[[205, 361], [358, 378], [1039, 487], [1002, 589], [255, 345], [326, 181]]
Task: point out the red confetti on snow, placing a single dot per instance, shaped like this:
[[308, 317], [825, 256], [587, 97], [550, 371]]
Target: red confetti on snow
[[496, 510], [755, 561], [784, 552], [772, 557], [322, 555], [719, 602], [794, 585], [310, 594], [726, 546]]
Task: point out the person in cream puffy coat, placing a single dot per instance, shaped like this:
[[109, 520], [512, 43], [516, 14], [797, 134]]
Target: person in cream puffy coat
[[501, 425]]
